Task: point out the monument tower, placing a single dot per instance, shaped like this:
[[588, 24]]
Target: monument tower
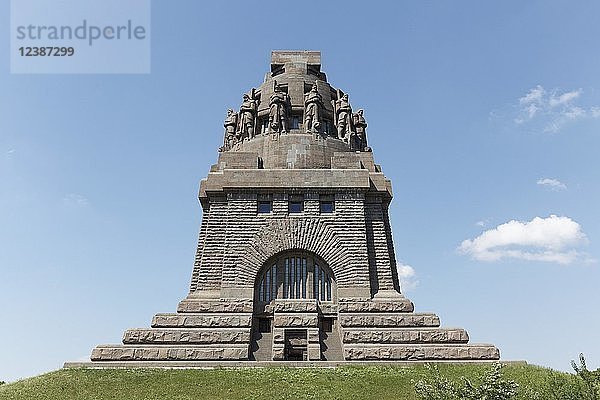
[[295, 256]]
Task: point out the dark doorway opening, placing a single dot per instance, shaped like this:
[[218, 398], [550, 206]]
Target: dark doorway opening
[[264, 325], [295, 345], [327, 324]]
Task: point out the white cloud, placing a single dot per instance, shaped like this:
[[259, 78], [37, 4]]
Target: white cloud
[[553, 184], [75, 200], [407, 277], [564, 98], [483, 222], [534, 95], [551, 239], [552, 109]]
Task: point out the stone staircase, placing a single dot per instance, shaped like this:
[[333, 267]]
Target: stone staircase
[[262, 347], [202, 329], [388, 330]]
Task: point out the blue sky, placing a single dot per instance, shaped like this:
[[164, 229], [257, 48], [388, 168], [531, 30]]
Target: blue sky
[[480, 113]]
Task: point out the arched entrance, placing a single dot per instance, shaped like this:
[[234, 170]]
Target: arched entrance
[[295, 309]]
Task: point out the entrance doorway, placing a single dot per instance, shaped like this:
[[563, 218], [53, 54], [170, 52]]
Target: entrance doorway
[[295, 345]]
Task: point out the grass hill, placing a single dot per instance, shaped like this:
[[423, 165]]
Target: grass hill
[[360, 382]]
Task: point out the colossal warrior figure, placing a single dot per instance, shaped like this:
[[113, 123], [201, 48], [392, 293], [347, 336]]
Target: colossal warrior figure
[[359, 140], [343, 118], [278, 106], [247, 118], [295, 258], [313, 102], [230, 125]]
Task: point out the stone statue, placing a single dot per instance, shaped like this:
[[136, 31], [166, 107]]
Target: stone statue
[[278, 110], [343, 118], [230, 125], [360, 137], [313, 102], [247, 118]]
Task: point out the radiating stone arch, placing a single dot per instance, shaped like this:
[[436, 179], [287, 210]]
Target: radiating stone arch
[[315, 235]]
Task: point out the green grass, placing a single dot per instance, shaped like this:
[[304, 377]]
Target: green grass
[[260, 383]]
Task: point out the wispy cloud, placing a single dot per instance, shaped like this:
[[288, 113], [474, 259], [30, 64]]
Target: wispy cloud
[[552, 239], [75, 200], [407, 277], [552, 109], [557, 100], [552, 184], [482, 222]]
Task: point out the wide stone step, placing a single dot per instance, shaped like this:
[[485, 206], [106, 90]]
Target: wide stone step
[[362, 306], [193, 320], [391, 320], [405, 335], [186, 336], [169, 353], [421, 352], [192, 305]]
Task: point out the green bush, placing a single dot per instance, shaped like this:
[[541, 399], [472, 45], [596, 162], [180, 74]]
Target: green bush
[[492, 387], [590, 379]]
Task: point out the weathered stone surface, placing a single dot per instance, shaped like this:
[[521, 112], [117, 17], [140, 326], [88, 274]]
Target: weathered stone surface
[[181, 336], [201, 320], [421, 352], [295, 306], [278, 335], [313, 335], [215, 306], [125, 353], [328, 308], [278, 352], [296, 320], [389, 320], [360, 306], [314, 352], [374, 335]]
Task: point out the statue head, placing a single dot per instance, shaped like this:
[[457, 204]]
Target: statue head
[[360, 112], [246, 97], [345, 97], [229, 112], [314, 87]]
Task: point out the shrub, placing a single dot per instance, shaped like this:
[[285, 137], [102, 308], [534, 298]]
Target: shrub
[[492, 387], [591, 379]]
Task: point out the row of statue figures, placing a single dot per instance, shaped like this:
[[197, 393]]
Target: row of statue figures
[[239, 126]]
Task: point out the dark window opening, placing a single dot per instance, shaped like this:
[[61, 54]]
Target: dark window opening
[[295, 122], [264, 325], [327, 204], [265, 205], [296, 204], [327, 127], [295, 276]]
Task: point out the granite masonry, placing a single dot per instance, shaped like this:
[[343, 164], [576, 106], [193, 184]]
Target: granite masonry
[[295, 256]]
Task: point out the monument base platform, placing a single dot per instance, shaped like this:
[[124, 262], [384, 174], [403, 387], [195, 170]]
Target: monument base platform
[[268, 364]]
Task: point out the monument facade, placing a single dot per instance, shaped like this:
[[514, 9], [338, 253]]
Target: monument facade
[[295, 257]]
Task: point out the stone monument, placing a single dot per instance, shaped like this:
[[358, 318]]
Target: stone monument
[[295, 256]]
